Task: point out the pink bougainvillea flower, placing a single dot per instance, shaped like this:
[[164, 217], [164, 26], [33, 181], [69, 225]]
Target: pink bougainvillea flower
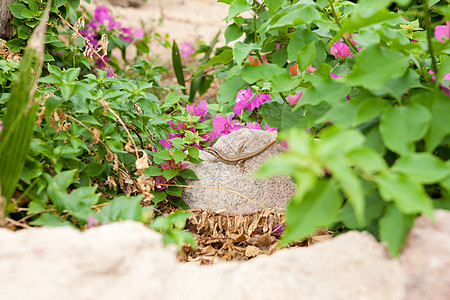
[[241, 99], [199, 111], [166, 143], [293, 99], [112, 24], [223, 126], [138, 34], [253, 125], [310, 69], [270, 128], [186, 50], [445, 83], [101, 14], [256, 101], [334, 75], [340, 50], [126, 36], [442, 32]]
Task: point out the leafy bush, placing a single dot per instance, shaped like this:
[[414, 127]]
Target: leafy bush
[[358, 92]]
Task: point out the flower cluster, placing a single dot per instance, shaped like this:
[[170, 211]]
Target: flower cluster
[[101, 22], [186, 50], [246, 99]]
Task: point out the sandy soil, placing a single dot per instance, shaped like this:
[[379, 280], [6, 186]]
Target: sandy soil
[[182, 20]]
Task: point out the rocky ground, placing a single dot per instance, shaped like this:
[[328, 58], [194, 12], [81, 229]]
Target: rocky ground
[[127, 261]]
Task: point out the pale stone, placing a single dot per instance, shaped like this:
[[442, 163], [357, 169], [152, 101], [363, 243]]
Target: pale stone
[[271, 193]]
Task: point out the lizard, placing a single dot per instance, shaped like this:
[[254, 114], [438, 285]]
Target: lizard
[[233, 159]]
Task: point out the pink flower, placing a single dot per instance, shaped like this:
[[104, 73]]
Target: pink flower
[[127, 35], [254, 125], [223, 126], [445, 83], [293, 99], [310, 69], [166, 143], [199, 111], [270, 129], [442, 32], [102, 13], [246, 99], [186, 50], [334, 75], [340, 50], [138, 33], [112, 24]]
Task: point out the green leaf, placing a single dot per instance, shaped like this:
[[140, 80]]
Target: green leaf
[[374, 66], [60, 183], [279, 115], [394, 228], [251, 73], [362, 17], [16, 9], [178, 156], [171, 99], [177, 66], [327, 90], [368, 109], [284, 82], [233, 32], [241, 51], [121, 208], [188, 174], [48, 219], [94, 169], [402, 126], [440, 126], [225, 57], [368, 160], [79, 202], [228, 89], [319, 208], [300, 14], [408, 195], [374, 209], [237, 7], [273, 5], [422, 167], [153, 171], [306, 55], [170, 173]]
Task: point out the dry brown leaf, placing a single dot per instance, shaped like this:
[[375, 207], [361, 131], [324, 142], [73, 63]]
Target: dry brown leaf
[[105, 106], [141, 163], [41, 116], [252, 251], [129, 147], [111, 183], [96, 132]]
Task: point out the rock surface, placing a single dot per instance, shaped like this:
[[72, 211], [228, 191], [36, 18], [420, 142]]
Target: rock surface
[[269, 193], [426, 258], [126, 261]]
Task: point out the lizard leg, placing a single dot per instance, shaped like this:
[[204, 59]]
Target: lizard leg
[[241, 146], [241, 165]]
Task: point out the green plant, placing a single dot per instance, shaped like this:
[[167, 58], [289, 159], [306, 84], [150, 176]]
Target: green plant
[[348, 87]]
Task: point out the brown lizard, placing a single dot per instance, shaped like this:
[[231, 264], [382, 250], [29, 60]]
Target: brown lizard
[[233, 159]]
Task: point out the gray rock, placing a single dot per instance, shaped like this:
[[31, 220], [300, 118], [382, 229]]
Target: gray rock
[[127, 261], [270, 193], [425, 258], [127, 3]]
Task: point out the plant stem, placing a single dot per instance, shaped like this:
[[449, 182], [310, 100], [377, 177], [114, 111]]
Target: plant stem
[[349, 43], [429, 35]]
